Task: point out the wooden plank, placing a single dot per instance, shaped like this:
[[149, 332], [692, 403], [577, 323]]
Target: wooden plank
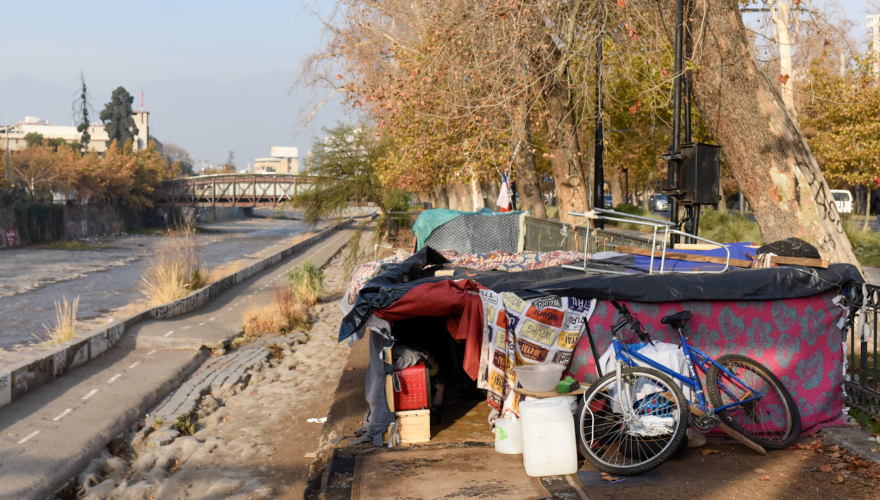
[[730, 432], [684, 256], [696, 246], [389, 382], [798, 261], [550, 394]]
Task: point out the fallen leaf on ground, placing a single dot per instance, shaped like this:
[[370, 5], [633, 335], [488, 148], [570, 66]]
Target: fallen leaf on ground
[[875, 449], [827, 468], [838, 479], [350, 368], [608, 477], [760, 471], [711, 452], [783, 474], [814, 434], [815, 445], [765, 478], [834, 448]]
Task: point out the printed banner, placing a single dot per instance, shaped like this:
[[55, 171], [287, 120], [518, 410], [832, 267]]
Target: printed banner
[[520, 332]]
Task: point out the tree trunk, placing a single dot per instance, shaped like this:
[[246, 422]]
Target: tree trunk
[[441, 197], [527, 185], [781, 14], [476, 194], [616, 186], [767, 152], [565, 154]]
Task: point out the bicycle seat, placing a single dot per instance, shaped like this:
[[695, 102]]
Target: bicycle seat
[[677, 320]]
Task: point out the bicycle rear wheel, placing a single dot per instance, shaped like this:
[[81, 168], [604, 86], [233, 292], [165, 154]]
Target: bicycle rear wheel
[[773, 421], [634, 426]]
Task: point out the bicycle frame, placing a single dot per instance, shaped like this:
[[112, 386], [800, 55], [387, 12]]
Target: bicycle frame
[[692, 354]]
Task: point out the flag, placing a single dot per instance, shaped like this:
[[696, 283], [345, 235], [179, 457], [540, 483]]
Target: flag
[[503, 195]]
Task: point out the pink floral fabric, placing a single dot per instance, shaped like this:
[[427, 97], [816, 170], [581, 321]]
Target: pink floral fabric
[[797, 339]]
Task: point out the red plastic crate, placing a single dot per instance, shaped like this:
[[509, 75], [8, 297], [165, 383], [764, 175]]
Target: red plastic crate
[[415, 392]]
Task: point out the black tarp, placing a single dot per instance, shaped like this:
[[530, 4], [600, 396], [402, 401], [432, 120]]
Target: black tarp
[[738, 284]]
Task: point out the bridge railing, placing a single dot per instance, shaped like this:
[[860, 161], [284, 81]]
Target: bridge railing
[[232, 190]]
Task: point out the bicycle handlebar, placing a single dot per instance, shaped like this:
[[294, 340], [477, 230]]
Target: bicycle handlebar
[[630, 319]]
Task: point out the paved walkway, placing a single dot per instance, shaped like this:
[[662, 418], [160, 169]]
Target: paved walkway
[[52, 434]]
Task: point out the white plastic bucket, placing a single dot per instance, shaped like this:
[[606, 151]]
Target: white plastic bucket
[[508, 436], [549, 446]]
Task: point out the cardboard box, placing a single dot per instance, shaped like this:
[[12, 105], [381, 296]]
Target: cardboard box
[[413, 426]]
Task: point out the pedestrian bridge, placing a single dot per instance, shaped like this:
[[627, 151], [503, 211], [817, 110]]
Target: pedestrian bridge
[[231, 190]]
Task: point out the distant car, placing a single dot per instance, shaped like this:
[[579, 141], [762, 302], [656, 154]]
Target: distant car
[[844, 201], [609, 201], [658, 202]]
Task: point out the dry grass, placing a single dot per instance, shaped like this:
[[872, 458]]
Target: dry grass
[[259, 320], [224, 270], [175, 271], [65, 323]]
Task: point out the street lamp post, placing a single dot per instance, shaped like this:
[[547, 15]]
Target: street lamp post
[[626, 186]]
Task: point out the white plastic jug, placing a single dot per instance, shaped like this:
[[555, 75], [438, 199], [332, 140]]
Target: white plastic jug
[[549, 446], [508, 436]]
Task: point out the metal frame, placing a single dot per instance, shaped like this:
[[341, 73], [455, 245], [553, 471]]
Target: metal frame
[[666, 227], [232, 190]]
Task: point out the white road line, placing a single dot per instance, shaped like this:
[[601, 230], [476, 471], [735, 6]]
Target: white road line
[[134, 364], [202, 323], [169, 333], [59, 417], [90, 394], [32, 434], [114, 377], [151, 352], [185, 327]]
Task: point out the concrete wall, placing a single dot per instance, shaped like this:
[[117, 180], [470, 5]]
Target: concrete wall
[[90, 222]]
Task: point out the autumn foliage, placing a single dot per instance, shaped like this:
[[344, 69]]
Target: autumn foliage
[[121, 175]]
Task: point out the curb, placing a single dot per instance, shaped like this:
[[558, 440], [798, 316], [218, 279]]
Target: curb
[[29, 375]]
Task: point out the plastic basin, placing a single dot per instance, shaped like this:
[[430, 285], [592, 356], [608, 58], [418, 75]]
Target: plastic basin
[[539, 378]]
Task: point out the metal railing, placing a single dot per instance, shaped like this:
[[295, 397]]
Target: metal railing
[[548, 236], [861, 378]]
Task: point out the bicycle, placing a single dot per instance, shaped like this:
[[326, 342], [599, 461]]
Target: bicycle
[[635, 418]]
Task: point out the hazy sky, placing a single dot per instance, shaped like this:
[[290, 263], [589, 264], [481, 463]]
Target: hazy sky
[[142, 44], [215, 73]]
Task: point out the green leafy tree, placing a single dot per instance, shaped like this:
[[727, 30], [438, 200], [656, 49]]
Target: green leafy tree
[[117, 118], [81, 108], [344, 170]]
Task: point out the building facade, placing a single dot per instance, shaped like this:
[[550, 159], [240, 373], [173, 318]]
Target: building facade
[[15, 134]]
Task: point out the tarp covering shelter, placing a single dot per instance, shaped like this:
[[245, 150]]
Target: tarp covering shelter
[[784, 317]]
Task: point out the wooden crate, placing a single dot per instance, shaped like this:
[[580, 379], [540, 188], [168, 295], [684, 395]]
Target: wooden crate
[[413, 426]]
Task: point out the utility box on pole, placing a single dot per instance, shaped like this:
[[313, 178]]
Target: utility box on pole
[[696, 178]]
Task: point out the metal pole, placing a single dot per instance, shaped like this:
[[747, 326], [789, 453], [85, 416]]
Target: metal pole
[[599, 153], [676, 81], [626, 177], [7, 146], [687, 111]]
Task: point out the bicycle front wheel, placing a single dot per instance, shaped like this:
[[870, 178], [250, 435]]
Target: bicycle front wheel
[[772, 421], [631, 425]]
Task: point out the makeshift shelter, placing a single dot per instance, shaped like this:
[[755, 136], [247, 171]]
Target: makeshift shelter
[[785, 317]]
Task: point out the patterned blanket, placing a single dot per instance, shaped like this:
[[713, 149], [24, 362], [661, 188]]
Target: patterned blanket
[[797, 339], [497, 260], [519, 332]]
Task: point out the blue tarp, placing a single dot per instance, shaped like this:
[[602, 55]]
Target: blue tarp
[[737, 251]]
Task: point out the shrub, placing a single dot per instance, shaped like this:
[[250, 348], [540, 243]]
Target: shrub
[[729, 228], [865, 243], [397, 200], [185, 425], [65, 323], [307, 281]]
